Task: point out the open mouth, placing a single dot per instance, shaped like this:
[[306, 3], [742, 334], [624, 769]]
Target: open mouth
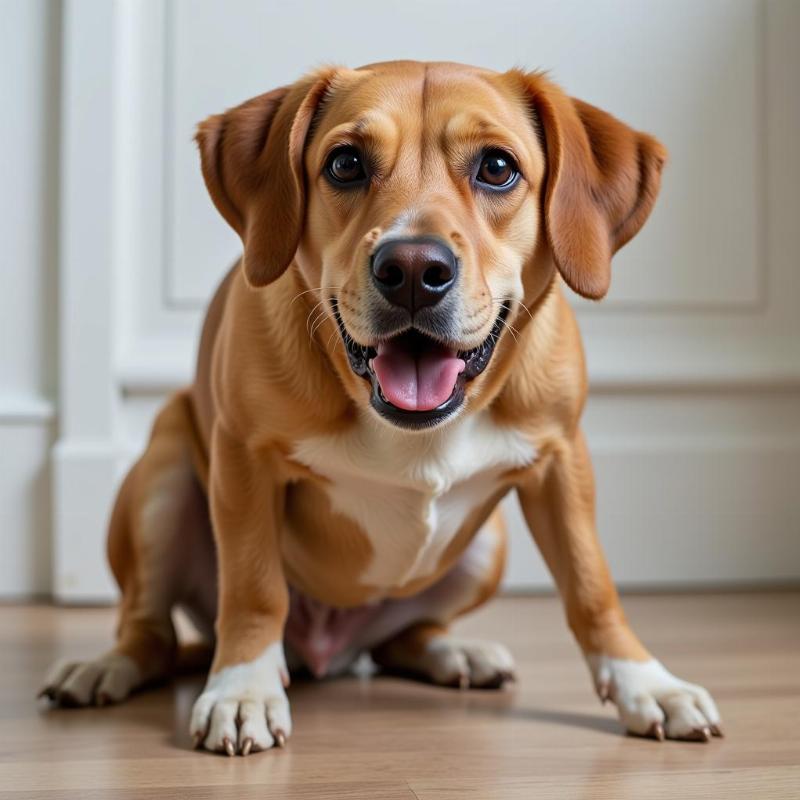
[[416, 380]]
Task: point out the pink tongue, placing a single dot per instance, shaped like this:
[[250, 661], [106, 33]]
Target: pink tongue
[[416, 381]]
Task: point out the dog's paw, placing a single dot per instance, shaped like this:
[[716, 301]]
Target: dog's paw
[[651, 701], [244, 708], [466, 663], [102, 681]]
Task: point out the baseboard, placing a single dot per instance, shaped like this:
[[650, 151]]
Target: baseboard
[[26, 435], [85, 479], [692, 513]]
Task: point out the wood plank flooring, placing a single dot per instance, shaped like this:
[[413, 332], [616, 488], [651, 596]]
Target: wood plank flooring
[[389, 739]]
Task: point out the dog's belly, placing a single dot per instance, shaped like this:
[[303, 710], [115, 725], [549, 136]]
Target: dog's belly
[[316, 633], [327, 639], [400, 502]]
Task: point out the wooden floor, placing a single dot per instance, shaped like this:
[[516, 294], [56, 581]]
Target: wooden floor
[[389, 739]]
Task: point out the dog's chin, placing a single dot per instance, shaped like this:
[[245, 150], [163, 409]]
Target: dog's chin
[[416, 381]]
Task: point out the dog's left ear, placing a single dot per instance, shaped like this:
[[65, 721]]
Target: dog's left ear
[[602, 180], [252, 162]]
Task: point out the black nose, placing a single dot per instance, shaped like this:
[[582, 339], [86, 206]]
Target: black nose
[[414, 273]]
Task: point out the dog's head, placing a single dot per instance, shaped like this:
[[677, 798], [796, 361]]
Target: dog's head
[[427, 208]]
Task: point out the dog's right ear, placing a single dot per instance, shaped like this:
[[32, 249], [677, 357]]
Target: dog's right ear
[[252, 162]]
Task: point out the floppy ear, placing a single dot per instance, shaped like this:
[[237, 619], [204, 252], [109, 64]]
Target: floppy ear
[[252, 162], [602, 181]]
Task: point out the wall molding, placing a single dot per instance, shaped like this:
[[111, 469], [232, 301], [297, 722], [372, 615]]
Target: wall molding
[[84, 458], [682, 511], [85, 479], [26, 409], [166, 365]]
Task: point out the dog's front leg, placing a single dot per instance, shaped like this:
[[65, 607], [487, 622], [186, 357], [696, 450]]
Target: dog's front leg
[[558, 505], [244, 707]]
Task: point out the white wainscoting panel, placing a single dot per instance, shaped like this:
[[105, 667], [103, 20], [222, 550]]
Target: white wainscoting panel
[[690, 72], [694, 358], [25, 440], [29, 64]]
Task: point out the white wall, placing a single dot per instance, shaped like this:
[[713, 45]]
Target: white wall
[[694, 416], [29, 79]]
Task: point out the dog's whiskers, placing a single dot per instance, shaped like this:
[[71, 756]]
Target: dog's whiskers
[[315, 289], [335, 343], [504, 303], [318, 321], [311, 313], [510, 328], [525, 309]]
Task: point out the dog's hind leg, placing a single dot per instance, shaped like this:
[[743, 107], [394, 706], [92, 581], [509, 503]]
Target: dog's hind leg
[[425, 648], [159, 517]]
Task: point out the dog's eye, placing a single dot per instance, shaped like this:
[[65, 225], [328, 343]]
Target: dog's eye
[[345, 165], [497, 170]]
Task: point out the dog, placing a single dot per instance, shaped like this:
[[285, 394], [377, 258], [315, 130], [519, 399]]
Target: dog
[[391, 356]]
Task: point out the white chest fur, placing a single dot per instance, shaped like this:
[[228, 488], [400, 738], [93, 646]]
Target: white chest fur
[[411, 493]]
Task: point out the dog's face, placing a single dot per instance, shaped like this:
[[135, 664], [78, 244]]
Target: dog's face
[[425, 205], [422, 211]]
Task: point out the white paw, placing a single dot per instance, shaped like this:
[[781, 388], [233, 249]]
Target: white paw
[[104, 680], [244, 708], [451, 661], [651, 701]]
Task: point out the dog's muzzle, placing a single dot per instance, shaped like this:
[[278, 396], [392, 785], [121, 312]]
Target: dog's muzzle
[[417, 381]]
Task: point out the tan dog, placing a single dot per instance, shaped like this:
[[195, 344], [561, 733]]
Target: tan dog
[[392, 356]]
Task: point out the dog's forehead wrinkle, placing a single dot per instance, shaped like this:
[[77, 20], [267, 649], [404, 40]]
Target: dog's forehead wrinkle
[[360, 125], [467, 121], [426, 89], [423, 132], [375, 127]]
